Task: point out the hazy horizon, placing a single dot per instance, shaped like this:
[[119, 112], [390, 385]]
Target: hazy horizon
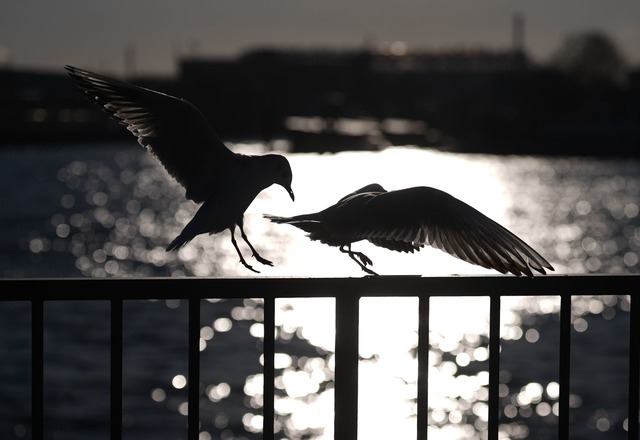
[[45, 35]]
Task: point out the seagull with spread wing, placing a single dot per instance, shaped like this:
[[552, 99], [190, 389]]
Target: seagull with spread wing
[[180, 137], [405, 220]]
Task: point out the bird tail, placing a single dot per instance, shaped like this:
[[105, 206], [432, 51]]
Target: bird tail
[[178, 242], [277, 219], [300, 221]]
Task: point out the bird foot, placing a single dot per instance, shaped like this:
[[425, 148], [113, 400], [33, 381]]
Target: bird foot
[[369, 271], [365, 260], [360, 258], [248, 266], [262, 260]]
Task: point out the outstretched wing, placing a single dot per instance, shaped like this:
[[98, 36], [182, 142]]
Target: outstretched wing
[[170, 128], [425, 215]]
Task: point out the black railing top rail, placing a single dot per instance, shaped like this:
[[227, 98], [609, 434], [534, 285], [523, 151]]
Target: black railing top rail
[[14, 289]]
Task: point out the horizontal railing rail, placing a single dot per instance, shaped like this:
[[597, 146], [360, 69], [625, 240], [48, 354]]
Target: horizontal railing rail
[[347, 293]]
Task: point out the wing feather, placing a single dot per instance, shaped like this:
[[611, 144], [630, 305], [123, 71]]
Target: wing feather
[[500, 253], [172, 129], [472, 256]]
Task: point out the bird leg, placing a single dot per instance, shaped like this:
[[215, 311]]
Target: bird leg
[[364, 260], [256, 255], [235, 245]]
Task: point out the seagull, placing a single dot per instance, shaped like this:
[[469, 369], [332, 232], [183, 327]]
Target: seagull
[[407, 219], [179, 136]]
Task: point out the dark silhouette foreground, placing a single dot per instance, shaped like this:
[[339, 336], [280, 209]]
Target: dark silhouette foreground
[[407, 219], [179, 136]]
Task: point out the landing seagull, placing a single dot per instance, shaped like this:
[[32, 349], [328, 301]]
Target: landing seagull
[[179, 136], [405, 220]]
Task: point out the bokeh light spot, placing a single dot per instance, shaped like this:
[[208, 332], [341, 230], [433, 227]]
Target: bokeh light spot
[[179, 381]]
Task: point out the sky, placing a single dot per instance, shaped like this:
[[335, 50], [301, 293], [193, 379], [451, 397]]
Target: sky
[[45, 34]]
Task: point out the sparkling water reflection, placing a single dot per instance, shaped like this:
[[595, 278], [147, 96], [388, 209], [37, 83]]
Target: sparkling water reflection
[[117, 216], [115, 210]]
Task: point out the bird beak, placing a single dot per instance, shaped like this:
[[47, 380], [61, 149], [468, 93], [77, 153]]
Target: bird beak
[[290, 191]]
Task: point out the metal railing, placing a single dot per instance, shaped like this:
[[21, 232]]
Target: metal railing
[[347, 293]]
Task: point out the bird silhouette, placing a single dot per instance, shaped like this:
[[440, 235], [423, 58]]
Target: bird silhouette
[[405, 220], [180, 137]]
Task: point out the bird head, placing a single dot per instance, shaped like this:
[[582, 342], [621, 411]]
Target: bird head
[[282, 173]]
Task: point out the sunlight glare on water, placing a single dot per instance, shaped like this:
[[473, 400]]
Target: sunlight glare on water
[[387, 370], [304, 395]]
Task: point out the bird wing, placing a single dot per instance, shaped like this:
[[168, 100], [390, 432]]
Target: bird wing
[[424, 215], [170, 128], [396, 245], [371, 188]]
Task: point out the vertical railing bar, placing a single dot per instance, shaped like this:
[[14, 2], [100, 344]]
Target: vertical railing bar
[[37, 369], [634, 368], [193, 416], [346, 364], [494, 367], [268, 353], [116, 369], [423, 367], [564, 372]]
